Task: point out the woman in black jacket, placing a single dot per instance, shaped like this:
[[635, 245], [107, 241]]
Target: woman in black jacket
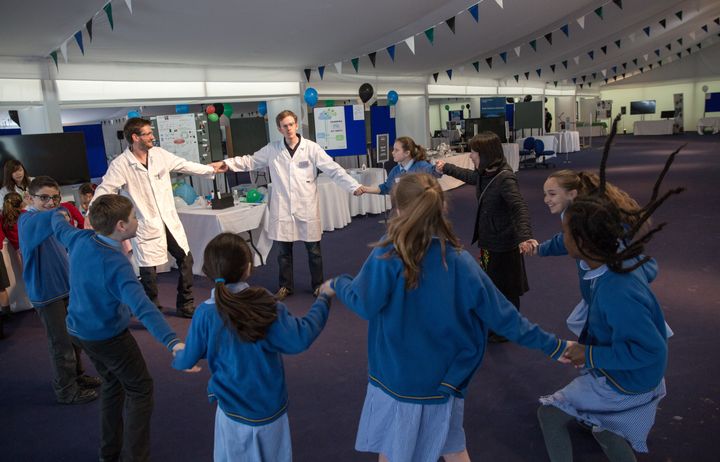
[[502, 223]]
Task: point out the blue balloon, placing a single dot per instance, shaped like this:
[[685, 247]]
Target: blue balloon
[[262, 108], [182, 108], [186, 192], [132, 114], [311, 96], [392, 97]]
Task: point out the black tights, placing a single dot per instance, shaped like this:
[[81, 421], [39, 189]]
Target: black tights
[[553, 423]]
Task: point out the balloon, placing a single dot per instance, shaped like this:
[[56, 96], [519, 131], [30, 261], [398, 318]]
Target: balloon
[[311, 96], [330, 103], [186, 192], [365, 92], [219, 109], [210, 109], [133, 114], [228, 110], [392, 97], [447, 108], [254, 196], [213, 117], [262, 108]]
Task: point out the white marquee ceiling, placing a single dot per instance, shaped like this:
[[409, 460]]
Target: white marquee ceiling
[[311, 33]]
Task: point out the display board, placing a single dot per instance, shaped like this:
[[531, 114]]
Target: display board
[[177, 133], [492, 107], [603, 110], [529, 115], [712, 102]]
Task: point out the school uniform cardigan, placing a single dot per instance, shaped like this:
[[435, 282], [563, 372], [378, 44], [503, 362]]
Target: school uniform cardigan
[[424, 344]]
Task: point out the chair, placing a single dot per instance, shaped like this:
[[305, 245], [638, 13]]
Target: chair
[[541, 155], [527, 153]]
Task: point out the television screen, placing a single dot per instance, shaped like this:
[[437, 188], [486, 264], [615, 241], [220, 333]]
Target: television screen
[[59, 155], [492, 107], [455, 116], [667, 114], [642, 107]]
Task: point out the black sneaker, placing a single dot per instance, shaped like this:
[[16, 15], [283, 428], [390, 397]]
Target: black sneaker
[[84, 395], [283, 293], [185, 312], [88, 381], [495, 338]]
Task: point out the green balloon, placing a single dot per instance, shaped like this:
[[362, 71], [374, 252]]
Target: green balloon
[[447, 108], [213, 117], [253, 196], [330, 103], [228, 110]]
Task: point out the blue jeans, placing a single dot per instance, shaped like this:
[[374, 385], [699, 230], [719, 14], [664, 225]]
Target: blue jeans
[[285, 260]]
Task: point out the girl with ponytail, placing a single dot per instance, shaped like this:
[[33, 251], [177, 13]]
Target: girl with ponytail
[[243, 331], [430, 307]]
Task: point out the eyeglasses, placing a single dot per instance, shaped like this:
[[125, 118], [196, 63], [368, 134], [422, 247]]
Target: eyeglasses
[[146, 134], [45, 197]]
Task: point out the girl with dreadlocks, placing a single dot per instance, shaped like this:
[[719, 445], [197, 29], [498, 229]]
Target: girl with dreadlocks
[[559, 190], [430, 306], [243, 332], [623, 345]]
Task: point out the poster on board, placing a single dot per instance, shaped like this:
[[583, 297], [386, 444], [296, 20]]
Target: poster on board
[[603, 109], [330, 127], [177, 133]]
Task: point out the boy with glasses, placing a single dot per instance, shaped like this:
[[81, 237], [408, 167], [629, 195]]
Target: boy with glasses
[[45, 272]]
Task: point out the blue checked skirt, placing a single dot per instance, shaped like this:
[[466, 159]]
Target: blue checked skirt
[[408, 432], [594, 402], [235, 441]]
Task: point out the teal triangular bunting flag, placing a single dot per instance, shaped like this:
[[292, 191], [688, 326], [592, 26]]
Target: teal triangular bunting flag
[[108, 11], [533, 44]]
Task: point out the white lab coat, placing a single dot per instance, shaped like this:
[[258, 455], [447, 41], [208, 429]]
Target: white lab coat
[[294, 200], [151, 191]]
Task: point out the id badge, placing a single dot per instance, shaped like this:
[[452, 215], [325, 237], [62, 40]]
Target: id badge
[[303, 164]]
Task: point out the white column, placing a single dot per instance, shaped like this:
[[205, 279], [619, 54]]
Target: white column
[[412, 118], [45, 118]]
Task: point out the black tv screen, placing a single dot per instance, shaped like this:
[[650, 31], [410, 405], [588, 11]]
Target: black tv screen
[[667, 114], [494, 124], [59, 155], [642, 107]]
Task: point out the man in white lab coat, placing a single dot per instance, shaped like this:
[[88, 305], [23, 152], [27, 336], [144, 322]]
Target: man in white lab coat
[[143, 171], [294, 201]]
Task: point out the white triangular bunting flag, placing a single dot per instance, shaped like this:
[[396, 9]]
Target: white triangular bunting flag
[[632, 37], [63, 50], [129, 5], [410, 41], [576, 59], [692, 35], [581, 22], [338, 67], [604, 72], [645, 57], [499, 2], [517, 51]]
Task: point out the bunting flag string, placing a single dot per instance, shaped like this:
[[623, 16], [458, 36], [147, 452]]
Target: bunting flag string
[[517, 51], [410, 42], [604, 49], [503, 56], [355, 63], [430, 34], [307, 73], [474, 12], [53, 55], [338, 67], [533, 44], [88, 27], [548, 37], [489, 62], [79, 40], [451, 24], [435, 76], [449, 73], [599, 12], [321, 71], [476, 64], [372, 57]]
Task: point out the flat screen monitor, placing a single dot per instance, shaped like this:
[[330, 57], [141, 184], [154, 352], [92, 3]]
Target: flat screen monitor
[[60, 155], [455, 116], [642, 107], [667, 114]]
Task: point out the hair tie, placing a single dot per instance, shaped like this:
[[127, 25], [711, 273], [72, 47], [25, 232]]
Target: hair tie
[[219, 280]]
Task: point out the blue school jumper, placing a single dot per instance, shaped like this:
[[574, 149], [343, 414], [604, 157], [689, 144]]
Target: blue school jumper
[[420, 166]]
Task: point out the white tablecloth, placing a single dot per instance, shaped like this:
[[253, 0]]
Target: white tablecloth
[[709, 122], [369, 203], [549, 141], [567, 141], [653, 127], [19, 300], [512, 155], [203, 224], [334, 204]]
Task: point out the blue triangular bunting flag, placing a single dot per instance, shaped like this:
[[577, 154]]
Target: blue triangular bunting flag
[[503, 56], [321, 71], [391, 52], [647, 30], [78, 39], [449, 73], [539, 71], [474, 11], [591, 54], [565, 29], [657, 52]]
